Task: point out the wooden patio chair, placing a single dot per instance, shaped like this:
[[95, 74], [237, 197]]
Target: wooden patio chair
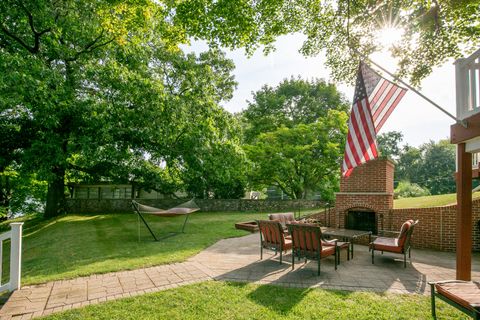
[[308, 244], [400, 244], [463, 295], [272, 237]]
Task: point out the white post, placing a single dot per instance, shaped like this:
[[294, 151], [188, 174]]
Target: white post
[[16, 255], [461, 92]]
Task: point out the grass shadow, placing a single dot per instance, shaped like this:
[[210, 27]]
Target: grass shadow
[[277, 298]]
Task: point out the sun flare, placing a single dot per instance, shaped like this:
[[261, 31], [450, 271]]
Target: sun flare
[[389, 36]]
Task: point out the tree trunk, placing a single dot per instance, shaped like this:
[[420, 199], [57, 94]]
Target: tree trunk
[[56, 195], [56, 204]]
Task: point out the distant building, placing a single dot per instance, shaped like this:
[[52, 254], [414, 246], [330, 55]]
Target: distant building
[[253, 195], [114, 191]]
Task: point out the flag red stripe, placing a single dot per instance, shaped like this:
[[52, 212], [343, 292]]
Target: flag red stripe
[[347, 158], [359, 136], [365, 128], [348, 172], [379, 93], [390, 110], [385, 101], [388, 106], [371, 129], [354, 152], [374, 149]]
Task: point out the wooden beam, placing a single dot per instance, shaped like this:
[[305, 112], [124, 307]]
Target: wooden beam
[[475, 173], [464, 214], [459, 133]]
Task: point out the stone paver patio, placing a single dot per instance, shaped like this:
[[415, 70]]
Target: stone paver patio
[[237, 259]]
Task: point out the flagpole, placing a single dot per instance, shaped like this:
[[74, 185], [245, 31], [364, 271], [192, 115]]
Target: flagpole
[[463, 123]]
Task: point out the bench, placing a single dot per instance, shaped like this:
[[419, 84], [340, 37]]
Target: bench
[[463, 295]]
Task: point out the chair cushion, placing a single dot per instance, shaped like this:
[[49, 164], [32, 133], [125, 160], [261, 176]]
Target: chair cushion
[[402, 237], [340, 244], [465, 294], [386, 244], [288, 244], [327, 251]]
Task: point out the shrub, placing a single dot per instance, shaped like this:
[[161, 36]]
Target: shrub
[[406, 189]]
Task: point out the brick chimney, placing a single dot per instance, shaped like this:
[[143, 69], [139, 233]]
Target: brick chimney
[[366, 197]]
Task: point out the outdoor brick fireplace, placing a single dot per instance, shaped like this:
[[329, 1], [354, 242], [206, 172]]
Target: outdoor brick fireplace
[[361, 219], [366, 197]]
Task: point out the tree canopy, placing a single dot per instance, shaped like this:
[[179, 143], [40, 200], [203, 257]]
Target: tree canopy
[[294, 135], [389, 144], [292, 102], [431, 31], [100, 89], [301, 159], [429, 167]]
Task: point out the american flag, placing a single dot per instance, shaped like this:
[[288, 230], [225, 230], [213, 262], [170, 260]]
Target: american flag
[[373, 102]]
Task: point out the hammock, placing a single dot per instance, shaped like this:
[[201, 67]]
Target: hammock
[[183, 209]]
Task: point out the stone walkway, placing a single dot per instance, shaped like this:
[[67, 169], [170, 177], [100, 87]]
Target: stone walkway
[[237, 259], [41, 300]]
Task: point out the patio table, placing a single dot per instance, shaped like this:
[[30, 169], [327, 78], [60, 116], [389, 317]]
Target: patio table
[[346, 235]]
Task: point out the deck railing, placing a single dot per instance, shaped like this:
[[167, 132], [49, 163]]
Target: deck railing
[[475, 160], [15, 236], [467, 78]]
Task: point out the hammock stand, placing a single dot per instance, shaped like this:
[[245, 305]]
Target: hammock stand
[[183, 209]]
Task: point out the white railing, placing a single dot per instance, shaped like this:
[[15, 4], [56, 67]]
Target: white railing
[[475, 160], [467, 78], [15, 236]]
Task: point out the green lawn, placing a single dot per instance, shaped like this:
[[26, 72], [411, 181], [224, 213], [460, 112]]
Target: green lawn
[[428, 201], [77, 245], [222, 300]]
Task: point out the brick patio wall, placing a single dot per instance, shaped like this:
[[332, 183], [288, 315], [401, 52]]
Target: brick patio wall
[[218, 205], [437, 226], [370, 187]]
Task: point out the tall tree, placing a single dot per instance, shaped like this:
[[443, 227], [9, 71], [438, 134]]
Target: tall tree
[[103, 84], [293, 136], [389, 144], [212, 163], [294, 101], [431, 166], [409, 164], [438, 172], [300, 159]]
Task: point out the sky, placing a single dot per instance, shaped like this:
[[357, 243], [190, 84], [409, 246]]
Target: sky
[[418, 120]]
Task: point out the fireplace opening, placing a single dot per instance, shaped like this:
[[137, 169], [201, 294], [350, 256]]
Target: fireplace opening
[[359, 219]]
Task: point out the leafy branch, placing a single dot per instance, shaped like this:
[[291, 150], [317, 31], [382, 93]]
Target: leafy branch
[[36, 34]]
